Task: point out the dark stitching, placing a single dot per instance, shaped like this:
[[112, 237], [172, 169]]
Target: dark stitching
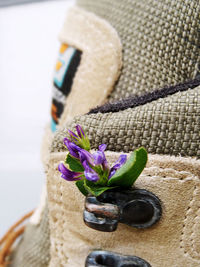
[[132, 102]]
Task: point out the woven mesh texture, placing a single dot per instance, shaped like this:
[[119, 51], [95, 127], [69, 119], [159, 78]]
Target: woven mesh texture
[[33, 250], [160, 41], [169, 125]]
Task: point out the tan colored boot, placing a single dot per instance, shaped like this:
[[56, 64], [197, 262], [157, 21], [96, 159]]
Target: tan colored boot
[[156, 43]]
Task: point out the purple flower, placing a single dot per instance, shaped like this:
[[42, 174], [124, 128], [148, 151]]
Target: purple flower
[[102, 147], [80, 131], [90, 174], [95, 166], [73, 148], [69, 175], [100, 158], [118, 164], [74, 137], [80, 138], [84, 155]]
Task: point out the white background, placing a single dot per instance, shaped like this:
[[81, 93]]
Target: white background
[[28, 52]]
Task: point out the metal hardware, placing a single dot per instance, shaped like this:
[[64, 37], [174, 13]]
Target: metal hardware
[[102, 258], [138, 208]]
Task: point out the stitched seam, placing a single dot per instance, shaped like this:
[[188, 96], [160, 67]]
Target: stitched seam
[[191, 253], [187, 175], [196, 254]]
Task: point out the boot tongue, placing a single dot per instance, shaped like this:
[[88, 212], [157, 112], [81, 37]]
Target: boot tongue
[[160, 42]]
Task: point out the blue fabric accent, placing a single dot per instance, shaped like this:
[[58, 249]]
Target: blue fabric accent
[[53, 126]]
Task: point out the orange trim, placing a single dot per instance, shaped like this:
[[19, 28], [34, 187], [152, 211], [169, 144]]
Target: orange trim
[[54, 112], [8, 244], [53, 108], [54, 117], [9, 238], [58, 65], [63, 48], [12, 228]]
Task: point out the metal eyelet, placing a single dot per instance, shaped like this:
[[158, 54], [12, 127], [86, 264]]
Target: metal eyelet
[[102, 258], [137, 208]]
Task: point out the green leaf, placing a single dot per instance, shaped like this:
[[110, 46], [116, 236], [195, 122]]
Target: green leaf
[[129, 172], [94, 189], [81, 187], [74, 164]]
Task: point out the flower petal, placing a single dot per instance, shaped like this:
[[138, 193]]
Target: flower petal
[[73, 136], [93, 177], [99, 157], [118, 164], [102, 147], [73, 148], [112, 172], [84, 155], [121, 160], [90, 174], [67, 174], [80, 131]]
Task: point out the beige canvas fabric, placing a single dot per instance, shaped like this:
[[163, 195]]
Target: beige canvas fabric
[[173, 241], [160, 41], [46, 144], [101, 61]]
